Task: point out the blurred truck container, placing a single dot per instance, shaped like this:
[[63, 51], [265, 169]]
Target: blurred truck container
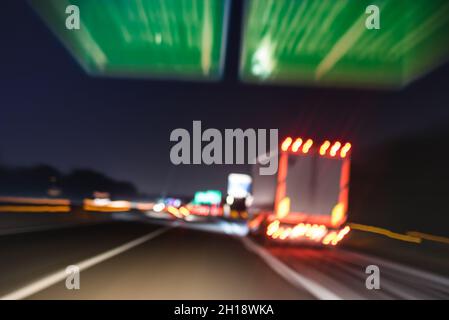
[[307, 201]]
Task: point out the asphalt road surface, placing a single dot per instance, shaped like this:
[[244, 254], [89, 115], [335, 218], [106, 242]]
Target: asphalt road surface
[[130, 260]]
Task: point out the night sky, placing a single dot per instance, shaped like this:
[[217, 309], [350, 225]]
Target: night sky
[[53, 113]]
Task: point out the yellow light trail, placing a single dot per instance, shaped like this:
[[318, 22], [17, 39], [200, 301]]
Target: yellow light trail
[[385, 232], [26, 200], [40, 209], [429, 237]]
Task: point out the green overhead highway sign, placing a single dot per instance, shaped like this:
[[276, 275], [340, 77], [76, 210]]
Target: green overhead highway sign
[[323, 42], [207, 197], [326, 42], [143, 38]]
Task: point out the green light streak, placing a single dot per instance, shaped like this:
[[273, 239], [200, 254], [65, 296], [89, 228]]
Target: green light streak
[[326, 43], [143, 38]]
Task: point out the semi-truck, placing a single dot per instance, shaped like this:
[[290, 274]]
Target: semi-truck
[[307, 201]]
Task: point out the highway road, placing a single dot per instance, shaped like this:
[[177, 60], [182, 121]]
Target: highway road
[[132, 260]]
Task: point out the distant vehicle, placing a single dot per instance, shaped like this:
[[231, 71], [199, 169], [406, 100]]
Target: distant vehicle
[[235, 208], [238, 196], [206, 203], [308, 199]]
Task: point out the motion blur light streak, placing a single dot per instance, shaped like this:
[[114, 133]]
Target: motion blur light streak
[[262, 61], [313, 232], [26, 200], [142, 206], [105, 205], [338, 214], [41, 209], [201, 210], [385, 232], [329, 238], [283, 208], [174, 211], [286, 144], [144, 38], [273, 227], [28, 204], [324, 147], [296, 145], [307, 146], [120, 204], [158, 207], [335, 148], [184, 211], [345, 150], [429, 237], [340, 235], [254, 223], [327, 43]]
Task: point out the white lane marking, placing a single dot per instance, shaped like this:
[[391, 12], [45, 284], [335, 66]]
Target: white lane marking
[[289, 274], [61, 275]]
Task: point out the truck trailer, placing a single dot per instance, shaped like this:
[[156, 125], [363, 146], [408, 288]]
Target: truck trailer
[[307, 201]]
